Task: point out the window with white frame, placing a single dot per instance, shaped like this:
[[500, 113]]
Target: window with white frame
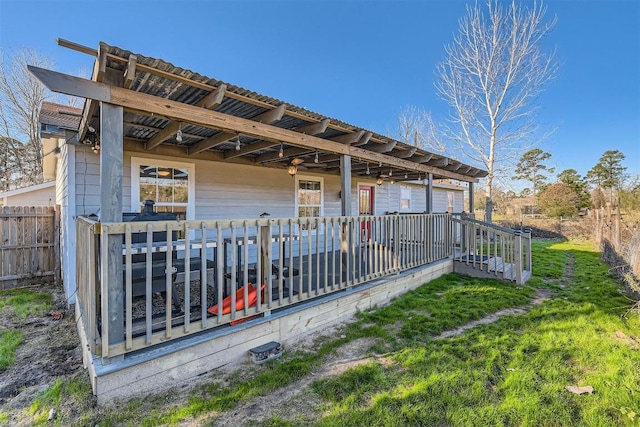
[[171, 186], [309, 197]]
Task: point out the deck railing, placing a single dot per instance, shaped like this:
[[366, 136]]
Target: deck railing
[[149, 290], [503, 252]]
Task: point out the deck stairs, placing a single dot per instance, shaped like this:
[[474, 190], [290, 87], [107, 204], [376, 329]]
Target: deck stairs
[[485, 250]]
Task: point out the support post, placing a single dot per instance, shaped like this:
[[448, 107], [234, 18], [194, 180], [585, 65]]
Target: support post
[[111, 143], [345, 204], [472, 201], [429, 206]]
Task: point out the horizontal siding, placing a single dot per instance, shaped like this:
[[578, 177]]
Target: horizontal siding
[[227, 190]]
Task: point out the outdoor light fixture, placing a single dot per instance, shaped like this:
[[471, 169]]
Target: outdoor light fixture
[[281, 152], [368, 171], [292, 170], [390, 172], [393, 181], [315, 160], [379, 179], [179, 133], [406, 175], [238, 143]]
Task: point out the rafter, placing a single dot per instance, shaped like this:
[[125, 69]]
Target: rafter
[[214, 141], [364, 139], [248, 149], [130, 71], [405, 154], [384, 148], [271, 116], [423, 159], [314, 128], [349, 138], [162, 134], [214, 98], [442, 162]]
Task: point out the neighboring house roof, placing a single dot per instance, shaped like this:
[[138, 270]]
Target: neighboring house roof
[[25, 190], [56, 118], [159, 78]]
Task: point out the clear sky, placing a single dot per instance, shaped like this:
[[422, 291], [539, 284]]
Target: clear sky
[[358, 61]]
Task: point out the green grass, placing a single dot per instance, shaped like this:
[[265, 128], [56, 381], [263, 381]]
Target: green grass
[[513, 372], [18, 303], [9, 341], [509, 373], [24, 302]]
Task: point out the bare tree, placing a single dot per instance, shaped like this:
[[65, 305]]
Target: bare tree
[[21, 96], [491, 76]]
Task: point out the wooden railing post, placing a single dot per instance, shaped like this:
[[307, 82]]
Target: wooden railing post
[[518, 256], [265, 258], [529, 260]]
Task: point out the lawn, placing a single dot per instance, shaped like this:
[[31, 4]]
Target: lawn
[[511, 372]]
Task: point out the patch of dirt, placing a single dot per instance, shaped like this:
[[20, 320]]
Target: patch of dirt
[[51, 350]]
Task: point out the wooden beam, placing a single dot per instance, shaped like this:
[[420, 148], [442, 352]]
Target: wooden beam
[[271, 116], [314, 128], [130, 71], [405, 154], [384, 148], [214, 98], [248, 149], [214, 141], [423, 159], [364, 139], [75, 86], [349, 138], [99, 69], [162, 134], [439, 162]]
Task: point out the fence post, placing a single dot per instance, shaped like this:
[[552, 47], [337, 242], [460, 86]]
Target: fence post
[[56, 247], [616, 215]]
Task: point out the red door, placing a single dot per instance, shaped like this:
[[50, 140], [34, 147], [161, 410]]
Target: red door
[[365, 207]]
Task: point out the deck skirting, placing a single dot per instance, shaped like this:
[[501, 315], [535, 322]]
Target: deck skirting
[[180, 361]]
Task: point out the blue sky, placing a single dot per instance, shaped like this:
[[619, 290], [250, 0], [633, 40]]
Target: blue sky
[[359, 61]]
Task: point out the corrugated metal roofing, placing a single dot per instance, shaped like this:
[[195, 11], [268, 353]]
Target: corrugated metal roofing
[[250, 105]]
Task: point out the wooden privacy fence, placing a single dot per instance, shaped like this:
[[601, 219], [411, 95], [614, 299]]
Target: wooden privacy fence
[[29, 245]]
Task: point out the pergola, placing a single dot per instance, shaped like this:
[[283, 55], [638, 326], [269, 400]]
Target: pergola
[[142, 104]]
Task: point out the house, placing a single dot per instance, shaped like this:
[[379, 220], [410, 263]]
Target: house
[[34, 195], [202, 220]]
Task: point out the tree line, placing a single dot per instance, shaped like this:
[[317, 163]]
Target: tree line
[[605, 183]]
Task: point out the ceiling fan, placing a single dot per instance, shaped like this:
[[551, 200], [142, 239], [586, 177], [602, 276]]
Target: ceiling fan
[[307, 165], [298, 163]]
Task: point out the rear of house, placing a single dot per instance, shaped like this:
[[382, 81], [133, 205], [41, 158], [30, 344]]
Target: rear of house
[[263, 220]]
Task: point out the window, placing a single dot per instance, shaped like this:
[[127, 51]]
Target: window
[[169, 184], [405, 198], [309, 197]]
